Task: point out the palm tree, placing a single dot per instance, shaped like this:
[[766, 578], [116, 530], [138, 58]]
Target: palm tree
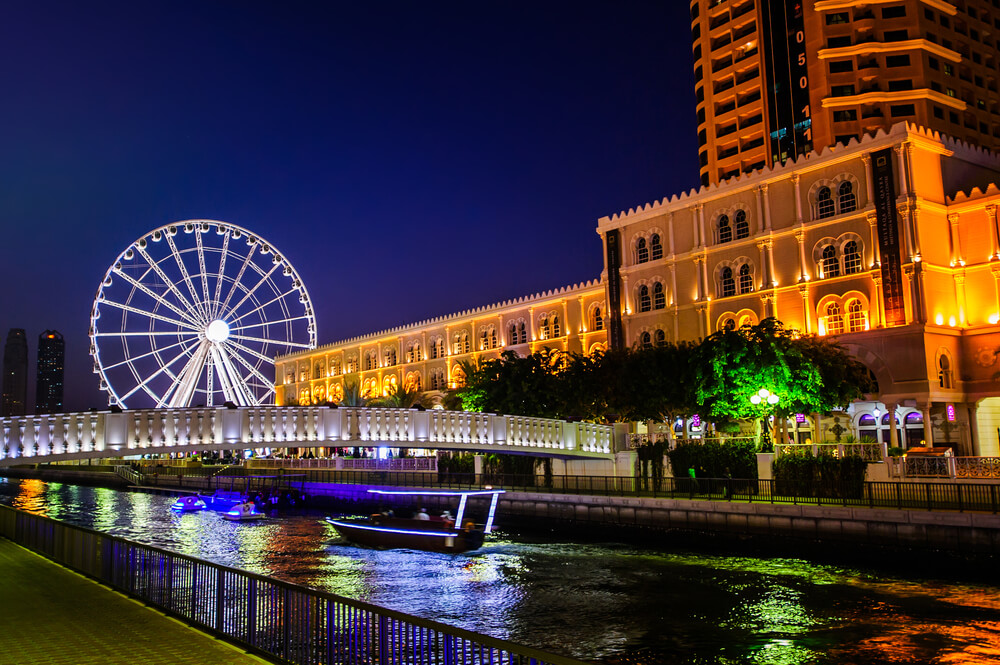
[[403, 397], [352, 395]]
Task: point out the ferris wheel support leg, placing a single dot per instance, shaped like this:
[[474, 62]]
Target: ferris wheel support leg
[[187, 381]]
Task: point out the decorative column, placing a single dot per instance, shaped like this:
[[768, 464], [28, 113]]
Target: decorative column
[[767, 207], [956, 241], [925, 411], [879, 311], [767, 302], [960, 294], [893, 434], [800, 237], [583, 317], [697, 275], [796, 180], [908, 212], [995, 269], [760, 206], [673, 298], [873, 227], [704, 275], [769, 243], [765, 277], [696, 225], [911, 315], [626, 300], [867, 159], [670, 233], [902, 153], [991, 216], [806, 308]]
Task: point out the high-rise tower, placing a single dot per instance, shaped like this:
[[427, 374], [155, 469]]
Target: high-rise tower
[[779, 78], [49, 384], [15, 374]]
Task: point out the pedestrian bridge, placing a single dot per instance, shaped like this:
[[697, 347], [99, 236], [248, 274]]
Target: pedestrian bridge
[[102, 434]]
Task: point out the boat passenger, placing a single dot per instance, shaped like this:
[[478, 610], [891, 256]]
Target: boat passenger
[[422, 515]]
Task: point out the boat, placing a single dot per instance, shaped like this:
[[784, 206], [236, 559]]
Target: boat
[[244, 512], [187, 504], [452, 535], [223, 500]]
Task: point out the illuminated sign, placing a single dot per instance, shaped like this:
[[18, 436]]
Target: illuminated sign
[[616, 334], [800, 417], [888, 237], [950, 411], [696, 420], [787, 79]]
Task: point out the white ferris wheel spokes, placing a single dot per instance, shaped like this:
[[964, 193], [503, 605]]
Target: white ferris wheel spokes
[[194, 313]]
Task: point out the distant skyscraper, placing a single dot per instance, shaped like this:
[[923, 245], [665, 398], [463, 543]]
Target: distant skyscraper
[[775, 79], [49, 386], [15, 374]]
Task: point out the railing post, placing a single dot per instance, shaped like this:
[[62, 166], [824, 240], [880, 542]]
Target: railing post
[[383, 639], [220, 606]]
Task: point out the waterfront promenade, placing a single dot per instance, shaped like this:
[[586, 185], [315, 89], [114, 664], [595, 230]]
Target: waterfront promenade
[[52, 615]]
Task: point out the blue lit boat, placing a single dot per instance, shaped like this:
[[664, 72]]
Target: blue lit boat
[[244, 512], [436, 535], [187, 504]]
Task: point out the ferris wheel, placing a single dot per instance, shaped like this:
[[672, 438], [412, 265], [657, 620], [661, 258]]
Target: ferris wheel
[[194, 313]]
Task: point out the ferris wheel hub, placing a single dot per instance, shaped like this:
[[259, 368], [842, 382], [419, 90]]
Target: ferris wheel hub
[[218, 331]]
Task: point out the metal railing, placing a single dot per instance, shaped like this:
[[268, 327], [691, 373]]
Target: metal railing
[[279, 620], [950, 496]]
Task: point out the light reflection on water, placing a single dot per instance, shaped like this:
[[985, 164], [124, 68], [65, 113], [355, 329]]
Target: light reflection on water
[[614, 602]]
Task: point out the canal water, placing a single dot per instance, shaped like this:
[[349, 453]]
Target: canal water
[[612, 602]]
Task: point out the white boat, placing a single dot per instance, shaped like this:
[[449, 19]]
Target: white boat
[[187, 504], [244, 512], [451, 534]]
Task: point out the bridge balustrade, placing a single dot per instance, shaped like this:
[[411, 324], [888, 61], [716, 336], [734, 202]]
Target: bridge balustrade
[[155, 431]]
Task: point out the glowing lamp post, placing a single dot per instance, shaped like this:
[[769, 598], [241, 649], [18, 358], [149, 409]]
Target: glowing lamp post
[[769, 400]]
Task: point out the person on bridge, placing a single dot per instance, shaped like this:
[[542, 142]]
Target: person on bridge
[[422, 515]]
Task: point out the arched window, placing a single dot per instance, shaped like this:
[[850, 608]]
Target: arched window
[[524, 334], [512, 334], [493, 338], [729, 324], [390, 357], [656, 247], [944, 371], [371, 360], [846, 198], [660, 337], [855, 316], [852, 258], [746, 279], [725, 231], [437, 348], [641, 251], [483, 340], [824, 203], [742, 225], [831, 266], [352, 364], [413, 381], [457, 377], [659, 296], [597, 321], [645, 341], [834, 320], [543, 328], [335, 367], [645, 304], [728, 283], [556, 329]]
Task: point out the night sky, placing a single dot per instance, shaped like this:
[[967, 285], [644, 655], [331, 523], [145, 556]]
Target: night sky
[[410, 159]]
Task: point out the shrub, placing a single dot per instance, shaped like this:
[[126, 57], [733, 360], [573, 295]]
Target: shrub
[[801, 474], [710, 460]]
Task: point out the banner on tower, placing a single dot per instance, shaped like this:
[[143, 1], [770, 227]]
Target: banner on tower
[[888, 237]]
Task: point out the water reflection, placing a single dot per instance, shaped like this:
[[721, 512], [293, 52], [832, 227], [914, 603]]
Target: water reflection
[[612, 602]]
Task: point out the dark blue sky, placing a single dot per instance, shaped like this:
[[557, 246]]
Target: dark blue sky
[[410, 159]]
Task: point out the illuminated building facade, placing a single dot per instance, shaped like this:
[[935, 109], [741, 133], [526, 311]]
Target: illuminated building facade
[[49, 378], [890, 243], [15, 374], [775, 79], [427, 355]]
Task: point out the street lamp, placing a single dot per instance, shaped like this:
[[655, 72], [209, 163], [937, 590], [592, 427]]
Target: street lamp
[[765, 397]]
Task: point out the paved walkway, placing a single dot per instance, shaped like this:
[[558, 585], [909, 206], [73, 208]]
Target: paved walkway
[[52, 615]]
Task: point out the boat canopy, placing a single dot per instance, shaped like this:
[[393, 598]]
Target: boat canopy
[[464, 496]]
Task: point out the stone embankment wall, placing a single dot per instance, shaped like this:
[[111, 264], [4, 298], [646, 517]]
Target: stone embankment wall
[[965, 533]]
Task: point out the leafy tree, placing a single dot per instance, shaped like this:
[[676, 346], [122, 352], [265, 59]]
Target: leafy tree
[[653, 384], [403, 398]]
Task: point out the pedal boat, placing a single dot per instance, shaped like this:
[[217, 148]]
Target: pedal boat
[[187, 504], [244, 512]]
